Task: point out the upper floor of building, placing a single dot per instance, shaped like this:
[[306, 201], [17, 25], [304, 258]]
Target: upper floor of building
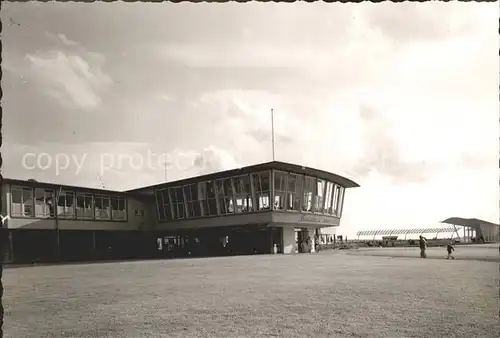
[[40, 205], [273, 186]]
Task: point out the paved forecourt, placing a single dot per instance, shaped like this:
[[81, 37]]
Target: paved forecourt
[[331, 294]]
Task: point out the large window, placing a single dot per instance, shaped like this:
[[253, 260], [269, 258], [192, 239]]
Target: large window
[[225, 196], [177, 199], [66, 204], [294, 183], [328, 198], [340, 201], [192, 200], [167, 205], [280, 184], [335, 199], [159, 205], [102, 207], [118, 208], [208, 198], [84, 206], [261, 187], [319, 198], [44, 202], [22, 202], [242, 194], [307, 195]]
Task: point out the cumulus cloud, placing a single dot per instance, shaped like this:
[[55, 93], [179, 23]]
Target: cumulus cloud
[[381, 152], [166, 97], [249, 114], [421, 21], [359, 141], [73, 78], [61, 38], [213, 159]]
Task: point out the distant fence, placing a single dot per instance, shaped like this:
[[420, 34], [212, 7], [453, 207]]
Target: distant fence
[[404, 232], [353, 244]]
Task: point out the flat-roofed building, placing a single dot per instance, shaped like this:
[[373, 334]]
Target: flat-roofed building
[[49, 221], [256, 209], [253, 208]]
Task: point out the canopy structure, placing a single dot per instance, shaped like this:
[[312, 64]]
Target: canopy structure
[[468, 222], [394, 232], [476, 228]]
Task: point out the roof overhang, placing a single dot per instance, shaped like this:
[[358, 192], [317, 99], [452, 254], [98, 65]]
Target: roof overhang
[[468, 222], [283, 166], [52, 185], [149, 190]]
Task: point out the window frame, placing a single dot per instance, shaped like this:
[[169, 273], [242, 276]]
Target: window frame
[[310, 194], [45, 205], [329, 197], [64, 215], [22, 189], [281, 194], [319, 200], [247, 198], [258, 195], [85, 195], [224, 196], [167, 205], [335, 200], [102, 197], [177, 205], [124, 210], [159, 198], [295, 195], [190, 202], [208, 203], [340, 206]]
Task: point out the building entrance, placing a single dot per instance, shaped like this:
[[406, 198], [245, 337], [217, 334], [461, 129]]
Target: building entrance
[[221, 241], [304, 241]]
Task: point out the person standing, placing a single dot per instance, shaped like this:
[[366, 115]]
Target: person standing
[[308, 245], [449, 249], [423, 246]]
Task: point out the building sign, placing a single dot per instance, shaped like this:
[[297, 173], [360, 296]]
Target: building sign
[[317, 219]]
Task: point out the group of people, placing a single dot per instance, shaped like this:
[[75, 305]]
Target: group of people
[[423, 248], [304, 246]]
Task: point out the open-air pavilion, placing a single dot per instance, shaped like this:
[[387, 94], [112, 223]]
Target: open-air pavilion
[[466, 230], [475, 229]]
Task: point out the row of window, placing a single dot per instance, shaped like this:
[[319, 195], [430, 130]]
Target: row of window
[[212, 198], [40, 203], [249, 193]]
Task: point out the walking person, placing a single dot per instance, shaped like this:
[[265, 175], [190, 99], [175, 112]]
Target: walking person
[[450, 249], [423, 246]]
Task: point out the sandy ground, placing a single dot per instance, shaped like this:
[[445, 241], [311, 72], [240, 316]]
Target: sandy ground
[[485, 252], [331, 294]]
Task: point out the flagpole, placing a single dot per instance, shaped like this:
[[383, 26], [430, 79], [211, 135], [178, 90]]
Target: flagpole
[[272, 130], [165, 167]]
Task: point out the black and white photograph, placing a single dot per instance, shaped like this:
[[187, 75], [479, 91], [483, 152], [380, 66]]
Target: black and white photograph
[[257, 169]]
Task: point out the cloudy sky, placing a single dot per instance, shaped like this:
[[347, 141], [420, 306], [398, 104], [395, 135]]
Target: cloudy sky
[[402, 98]]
